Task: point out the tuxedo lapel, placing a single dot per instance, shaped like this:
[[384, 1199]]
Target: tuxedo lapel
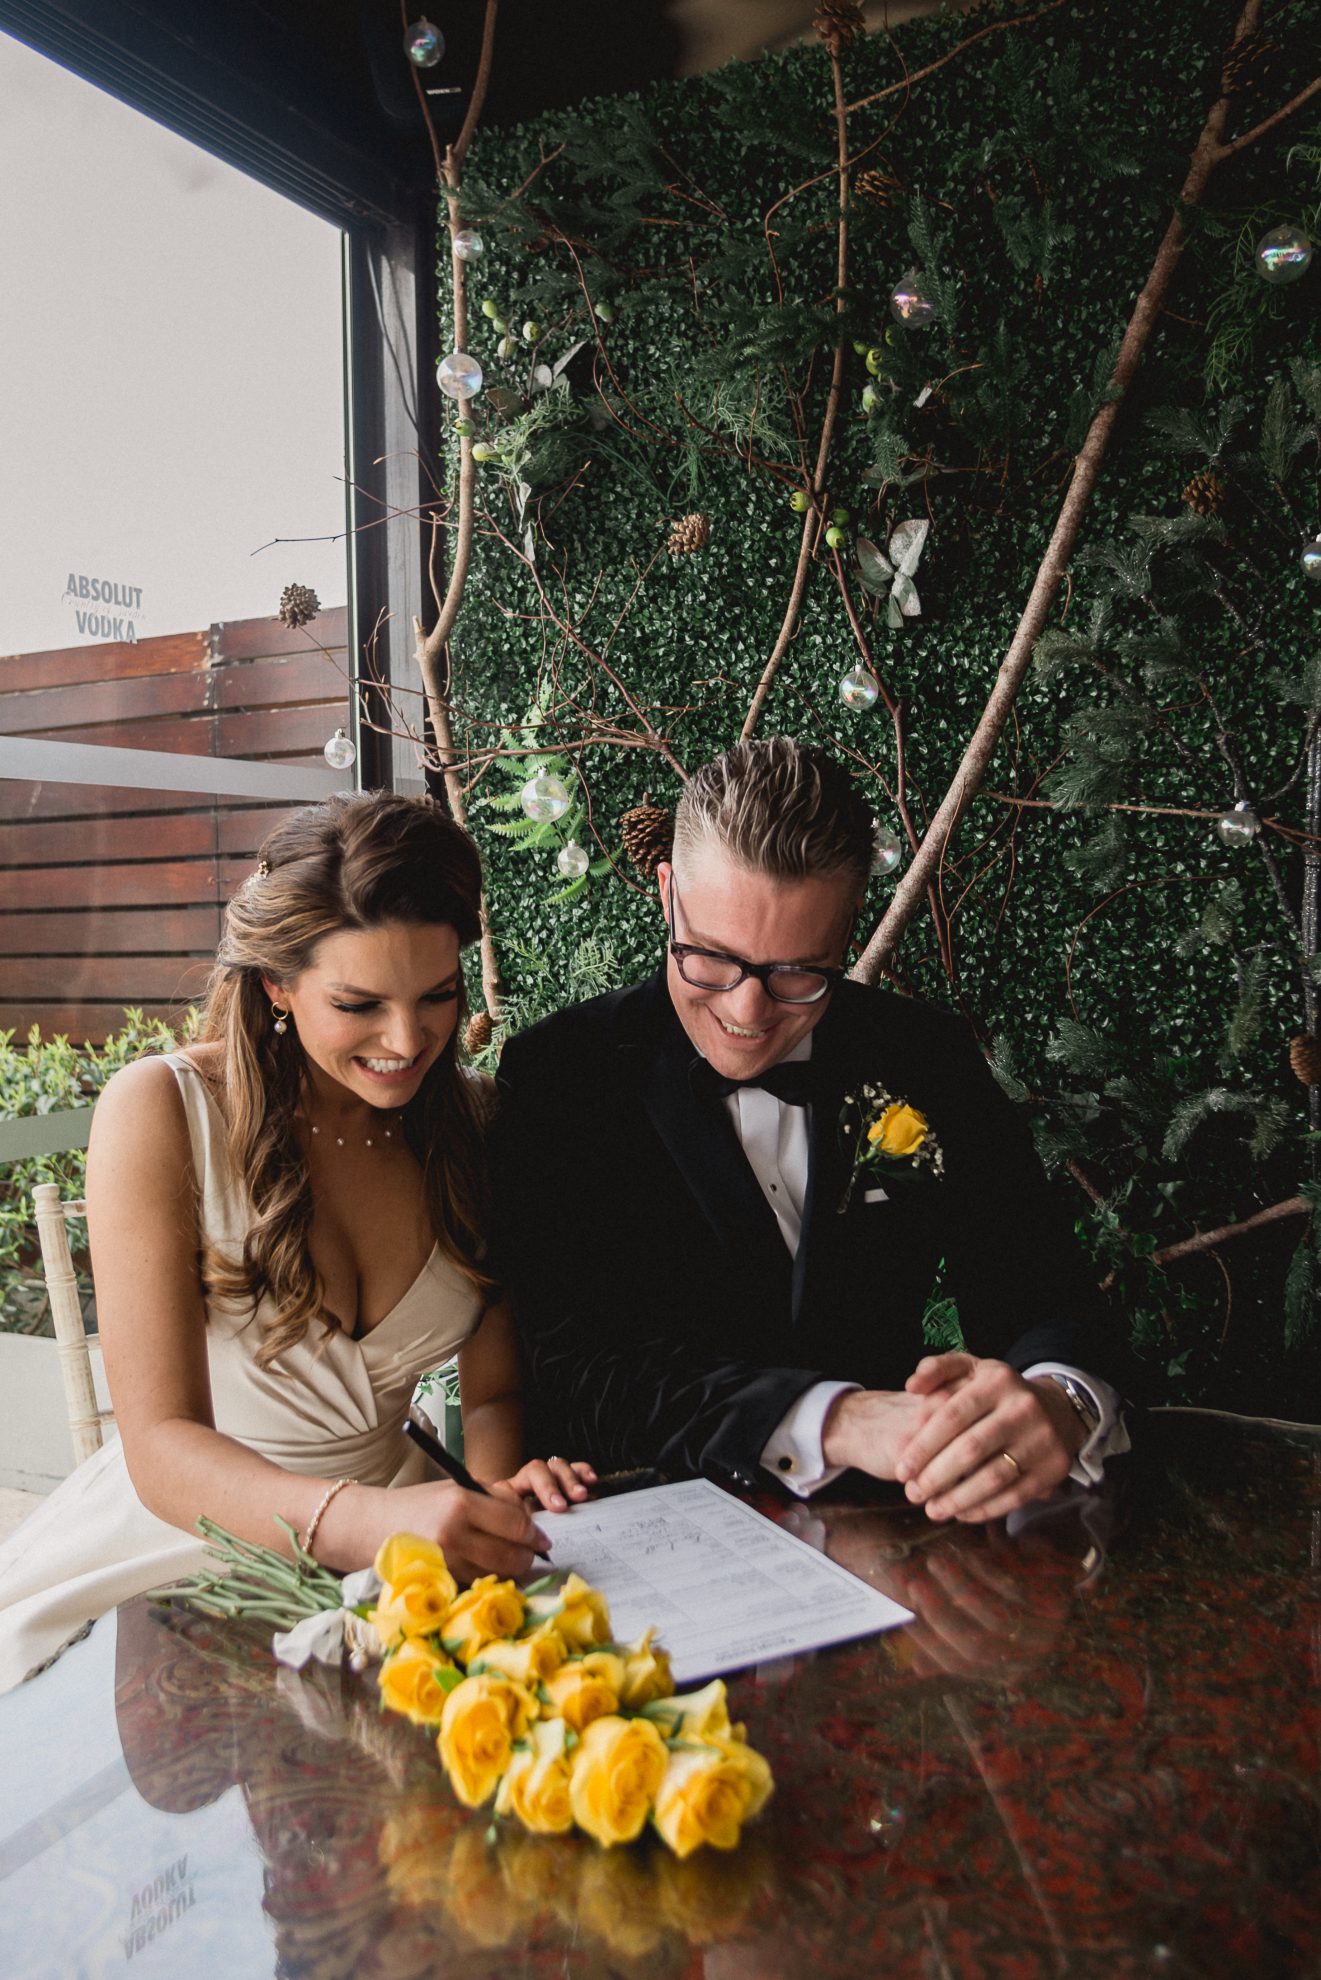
[[828, 1162], [699, 1138]]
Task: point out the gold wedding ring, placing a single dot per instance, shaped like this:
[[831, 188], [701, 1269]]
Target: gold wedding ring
[[1009, 1458]]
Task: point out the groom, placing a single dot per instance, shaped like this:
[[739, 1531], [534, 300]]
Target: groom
[[704, 1278]]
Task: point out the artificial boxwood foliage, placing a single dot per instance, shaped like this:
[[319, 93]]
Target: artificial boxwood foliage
[[662, 272]]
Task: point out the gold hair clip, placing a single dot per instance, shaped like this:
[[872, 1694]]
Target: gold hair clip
[[263, 869]]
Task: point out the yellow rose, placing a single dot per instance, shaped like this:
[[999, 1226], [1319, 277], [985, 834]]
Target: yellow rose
[[646, 1673], [698, 1716], [484, 1613], [409, 1682], [418, 1588], [578, 1612], [900, 1131], [482, 1718], [586, 1689], [617, 1767], [529, 1661], [708, 1794], [535, 1785]]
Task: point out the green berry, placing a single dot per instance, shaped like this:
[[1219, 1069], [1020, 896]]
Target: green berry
[[506, 347], [890, 337], [491, 309], [605, 312], [484, 451], [531, 331], [875, 360], [799, 502], [861, 346], [839, 515], [871, 398], [500, 327], [836, 537], [464, 428]]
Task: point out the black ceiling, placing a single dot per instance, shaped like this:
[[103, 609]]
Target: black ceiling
[[317, 97]]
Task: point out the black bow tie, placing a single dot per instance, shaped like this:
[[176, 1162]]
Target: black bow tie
[[795, 1081]]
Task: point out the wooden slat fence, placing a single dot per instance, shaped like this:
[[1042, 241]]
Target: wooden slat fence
[[111, 897]]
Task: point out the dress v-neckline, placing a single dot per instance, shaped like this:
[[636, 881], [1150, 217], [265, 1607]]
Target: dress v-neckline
[[358, 1333]]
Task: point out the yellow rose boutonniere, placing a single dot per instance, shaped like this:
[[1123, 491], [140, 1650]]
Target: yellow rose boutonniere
[[890, 1138], [412, 1680], [482, 1719], [618, 1765], [708, 1793], [587, 1688], [535, 1786], [417, 1588], [486, 1612]]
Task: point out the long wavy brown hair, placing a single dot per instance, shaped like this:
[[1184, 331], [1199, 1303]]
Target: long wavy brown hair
[[351, 863]]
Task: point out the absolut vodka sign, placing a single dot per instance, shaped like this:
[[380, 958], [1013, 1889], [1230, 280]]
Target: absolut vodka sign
[[104, 608]]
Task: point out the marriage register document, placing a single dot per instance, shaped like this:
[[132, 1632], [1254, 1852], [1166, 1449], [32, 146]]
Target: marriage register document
[[722, 1586]]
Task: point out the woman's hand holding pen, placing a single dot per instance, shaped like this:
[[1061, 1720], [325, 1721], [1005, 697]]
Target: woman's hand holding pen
[[480, 1532]]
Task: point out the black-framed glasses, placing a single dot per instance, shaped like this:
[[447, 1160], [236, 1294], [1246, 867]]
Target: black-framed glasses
[[711, 969]]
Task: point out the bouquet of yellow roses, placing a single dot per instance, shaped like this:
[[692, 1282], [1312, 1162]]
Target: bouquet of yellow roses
[[538, 1710]]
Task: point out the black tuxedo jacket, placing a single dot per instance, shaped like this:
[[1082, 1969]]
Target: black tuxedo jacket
[[662, 1317]]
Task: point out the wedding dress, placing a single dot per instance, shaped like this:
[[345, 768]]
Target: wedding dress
[[331, 1407]]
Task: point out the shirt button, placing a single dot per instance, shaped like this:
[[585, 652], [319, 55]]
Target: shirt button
[[785, 1463]]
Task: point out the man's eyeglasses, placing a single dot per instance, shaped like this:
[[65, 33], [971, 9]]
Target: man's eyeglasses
[[710, 969]]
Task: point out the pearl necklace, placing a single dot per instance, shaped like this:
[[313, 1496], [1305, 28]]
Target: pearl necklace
[[369, 1141]]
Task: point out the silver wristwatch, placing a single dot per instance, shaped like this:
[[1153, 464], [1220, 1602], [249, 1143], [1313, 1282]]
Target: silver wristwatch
[[1083, 1401]]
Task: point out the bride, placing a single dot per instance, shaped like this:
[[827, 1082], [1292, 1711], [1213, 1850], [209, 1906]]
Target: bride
[[286, 1227]]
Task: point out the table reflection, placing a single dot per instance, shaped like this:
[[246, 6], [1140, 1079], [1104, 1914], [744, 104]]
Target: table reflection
[[1093, 1752]]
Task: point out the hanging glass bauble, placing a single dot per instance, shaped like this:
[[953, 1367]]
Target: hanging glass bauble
[[1283, 254], [545, 797], [1240, 826], [459, 376], [1311, 560], [467, 244], [910, 304], [572, 860], [339, 752], [858, 688], [424, 44], [886, 850]]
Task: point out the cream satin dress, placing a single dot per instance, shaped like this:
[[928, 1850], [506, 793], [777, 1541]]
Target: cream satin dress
[[331, 1407]]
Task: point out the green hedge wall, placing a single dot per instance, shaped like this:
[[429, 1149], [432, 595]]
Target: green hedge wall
[[1140, 980]]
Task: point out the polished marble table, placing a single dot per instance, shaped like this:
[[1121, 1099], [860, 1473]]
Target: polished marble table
[[1094, 1753]]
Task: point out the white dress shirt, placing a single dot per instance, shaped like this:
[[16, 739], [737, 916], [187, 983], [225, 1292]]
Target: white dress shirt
[[775, 1137]]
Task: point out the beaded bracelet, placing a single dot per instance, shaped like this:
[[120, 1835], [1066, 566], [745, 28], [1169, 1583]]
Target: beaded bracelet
[[306, 1542]]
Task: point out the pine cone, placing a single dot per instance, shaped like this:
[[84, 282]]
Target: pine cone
[[648, 835], [299, 605], [1305, 1057], [839, 23], [1205, 493], [878, 187], [478, 1035], [688, 534]]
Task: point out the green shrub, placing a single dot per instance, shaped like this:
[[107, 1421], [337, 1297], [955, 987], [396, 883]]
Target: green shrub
[[48, 1076]]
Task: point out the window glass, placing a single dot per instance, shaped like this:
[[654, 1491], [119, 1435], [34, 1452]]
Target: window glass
[[173, 430]]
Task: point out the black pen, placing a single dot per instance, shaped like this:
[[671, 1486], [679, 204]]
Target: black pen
[[451, 1467]]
